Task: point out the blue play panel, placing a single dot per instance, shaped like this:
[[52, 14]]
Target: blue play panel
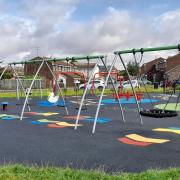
[[125, 101], [99, 120]]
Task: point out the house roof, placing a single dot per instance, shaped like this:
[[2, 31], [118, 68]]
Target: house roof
[[102, 68], [85, 65], [76, 64], [38, 58], [155, 61]]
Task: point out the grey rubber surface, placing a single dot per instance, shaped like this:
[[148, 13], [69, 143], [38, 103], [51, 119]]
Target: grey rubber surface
[[22, 142]]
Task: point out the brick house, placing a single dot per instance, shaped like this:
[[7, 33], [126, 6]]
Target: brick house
[[30, 69], [173, 67], [60, 68], [157, 69]]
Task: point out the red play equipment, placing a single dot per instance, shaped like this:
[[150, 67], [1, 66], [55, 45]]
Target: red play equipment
[[127, 95]]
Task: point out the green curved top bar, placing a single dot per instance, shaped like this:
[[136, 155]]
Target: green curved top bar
[[58, 59], [148, 49]]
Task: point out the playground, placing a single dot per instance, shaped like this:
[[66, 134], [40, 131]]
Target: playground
[[128, 131], [46, 136]]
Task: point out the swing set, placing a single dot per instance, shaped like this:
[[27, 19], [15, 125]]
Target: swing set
[[141, 112], [148, 112], [144, 112], [53, 98]]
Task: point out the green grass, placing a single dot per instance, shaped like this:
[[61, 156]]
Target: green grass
[[19, 172], [71, 92], [46, 92]]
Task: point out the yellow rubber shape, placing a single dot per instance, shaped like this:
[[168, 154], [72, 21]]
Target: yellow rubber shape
[[137, 137], [2, 115], [167, 130], [67, 124], [48, 121], [48, 114]]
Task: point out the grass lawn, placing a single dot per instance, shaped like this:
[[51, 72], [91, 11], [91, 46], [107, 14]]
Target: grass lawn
[[19, 172], [71, 92]]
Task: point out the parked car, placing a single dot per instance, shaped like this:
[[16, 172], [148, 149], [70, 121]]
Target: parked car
[[127, 85], [141, 82], [98, 84]]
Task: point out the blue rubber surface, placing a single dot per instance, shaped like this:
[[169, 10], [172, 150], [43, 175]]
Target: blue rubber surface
[[125, 101], [38, 123], [7, 118], [48, 104], [99, 120]]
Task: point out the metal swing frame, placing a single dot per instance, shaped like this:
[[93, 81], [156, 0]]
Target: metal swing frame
[[142, 50], [18, 78], [46, 61], [101, 96], [29, 90]]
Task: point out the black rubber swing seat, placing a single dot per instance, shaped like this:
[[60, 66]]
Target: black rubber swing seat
[[158, 113]]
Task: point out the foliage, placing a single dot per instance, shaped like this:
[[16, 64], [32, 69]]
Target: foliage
[[123, 73], [133, 68], [7, 74]]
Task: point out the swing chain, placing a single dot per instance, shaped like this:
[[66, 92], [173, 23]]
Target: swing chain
[[134, 54]]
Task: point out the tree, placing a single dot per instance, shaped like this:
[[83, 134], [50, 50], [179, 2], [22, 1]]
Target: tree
[[7, 75], [123, 73], [133, 68]]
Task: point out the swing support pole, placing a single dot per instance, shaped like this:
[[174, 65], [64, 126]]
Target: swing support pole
[[58, 59], [162, 48]]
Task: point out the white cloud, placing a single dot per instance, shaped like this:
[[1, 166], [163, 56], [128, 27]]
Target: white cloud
[[48, 25], [117, 30]]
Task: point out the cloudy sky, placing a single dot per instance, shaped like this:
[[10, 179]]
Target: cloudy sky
[[80, 27]]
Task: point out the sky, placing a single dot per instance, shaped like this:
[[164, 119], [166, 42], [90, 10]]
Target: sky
[[62, 28]]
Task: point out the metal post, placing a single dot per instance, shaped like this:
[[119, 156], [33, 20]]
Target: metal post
[[177, 102], [137, 103], [102, 93], [88, 68], [27, 95], [40, 86], [58, 88], [21, 84], [119, 102], [83, 97], [17, 89]]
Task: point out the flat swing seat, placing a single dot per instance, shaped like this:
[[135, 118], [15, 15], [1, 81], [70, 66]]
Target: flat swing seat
[[158, 113], [52, 98]]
